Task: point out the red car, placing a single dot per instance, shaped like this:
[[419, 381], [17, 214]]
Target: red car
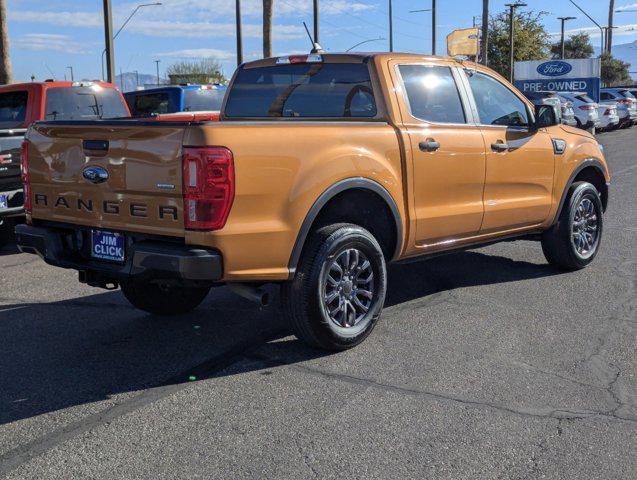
[[21, 104]]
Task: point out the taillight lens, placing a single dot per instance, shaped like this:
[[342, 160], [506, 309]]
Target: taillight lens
[[587, 107], [24, 175], [208, 187]]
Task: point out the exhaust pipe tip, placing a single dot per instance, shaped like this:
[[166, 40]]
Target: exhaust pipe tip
[[252, 293]]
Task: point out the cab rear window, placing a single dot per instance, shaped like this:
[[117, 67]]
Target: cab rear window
[[84, 103], [198, 100], [13, 109], [307, 90]]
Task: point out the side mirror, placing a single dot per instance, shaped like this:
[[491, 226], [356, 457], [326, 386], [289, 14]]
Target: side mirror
[[546, 116]]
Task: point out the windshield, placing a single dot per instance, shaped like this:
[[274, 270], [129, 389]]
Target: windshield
[[13, 109], [304, 90], [202, 100], [84, 103]]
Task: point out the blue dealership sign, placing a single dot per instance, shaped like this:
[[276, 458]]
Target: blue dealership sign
[[579, 75]]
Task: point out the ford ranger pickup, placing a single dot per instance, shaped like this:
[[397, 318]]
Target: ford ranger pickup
[[323, 169], [24, 103]]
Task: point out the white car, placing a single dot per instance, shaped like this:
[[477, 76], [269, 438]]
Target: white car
[[626, 104], [586, 110], [608, 116]]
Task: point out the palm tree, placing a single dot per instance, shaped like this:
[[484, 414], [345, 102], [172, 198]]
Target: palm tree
[[609, 35], [267, 27], [5, 57], [485, 31]]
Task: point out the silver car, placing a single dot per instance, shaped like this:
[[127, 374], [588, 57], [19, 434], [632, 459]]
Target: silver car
[[626, 104], [586, 110], [608, 116]]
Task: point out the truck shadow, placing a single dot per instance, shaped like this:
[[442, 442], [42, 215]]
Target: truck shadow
[[75, 352]]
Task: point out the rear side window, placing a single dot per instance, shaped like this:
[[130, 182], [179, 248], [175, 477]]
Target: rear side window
[[497, 104], [13, 109], [203, 100], [151, 104], [606, 96], [626, 94], [584, 98], [432, 93], [84, 103], [305, 90]]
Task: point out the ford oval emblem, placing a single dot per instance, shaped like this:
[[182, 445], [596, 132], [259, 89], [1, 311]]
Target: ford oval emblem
[[554, 68], [95, 174]]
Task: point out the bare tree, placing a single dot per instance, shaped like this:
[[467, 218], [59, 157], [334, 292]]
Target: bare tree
[[268, 6], [485, 31], [609, 35], [5, 56]]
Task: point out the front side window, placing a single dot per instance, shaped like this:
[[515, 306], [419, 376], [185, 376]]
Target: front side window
[[432, 93], [497, 105], [13, 109], [303, 90], [84, 103]]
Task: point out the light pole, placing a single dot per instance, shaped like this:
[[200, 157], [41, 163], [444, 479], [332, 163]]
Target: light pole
[[433, 38], [364, 42], [433, 27], [601, 29], [239, 37], [563, 20], [316, 21], [108, 43], [157, 63], [71, 68], [391, 28], [512, 7], [122, 28]]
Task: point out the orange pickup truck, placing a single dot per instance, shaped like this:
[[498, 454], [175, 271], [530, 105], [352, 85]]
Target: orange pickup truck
[[323, 169]]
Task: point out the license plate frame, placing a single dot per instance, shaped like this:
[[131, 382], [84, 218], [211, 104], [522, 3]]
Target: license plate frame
[[108, 246]]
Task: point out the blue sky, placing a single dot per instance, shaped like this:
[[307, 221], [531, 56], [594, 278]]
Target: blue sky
[[48, 36]]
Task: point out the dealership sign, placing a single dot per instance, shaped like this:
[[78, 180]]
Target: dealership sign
[[581, 75]]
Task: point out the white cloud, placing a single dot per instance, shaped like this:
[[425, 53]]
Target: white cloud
[[48, 42], [594, 32], [632, 6], [199, 53]]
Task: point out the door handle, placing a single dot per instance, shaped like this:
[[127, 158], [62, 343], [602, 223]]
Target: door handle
[[499, 147], [429, 146]]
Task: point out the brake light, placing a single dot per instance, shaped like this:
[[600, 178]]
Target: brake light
[[587, 107], [312, 58], [208, 187], [24, 175], [625, 100]]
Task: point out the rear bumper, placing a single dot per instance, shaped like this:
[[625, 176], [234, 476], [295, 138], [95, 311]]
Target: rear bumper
[[147, 259]]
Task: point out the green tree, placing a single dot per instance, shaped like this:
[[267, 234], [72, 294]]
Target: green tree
[[530, 39], [577, 46], [203, 71], [614, 71]]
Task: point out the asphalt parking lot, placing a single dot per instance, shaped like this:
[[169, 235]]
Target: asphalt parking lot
[[486, 364]]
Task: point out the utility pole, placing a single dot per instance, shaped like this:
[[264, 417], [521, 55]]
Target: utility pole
[[316, 21], [512, 7], [5, 57], [157, 62], [391, 28], [137, 78], [563, 20], [609, 38], [108, 31], [433, 27], [267, 28], [239, 39], [72, 77], [484, 40]]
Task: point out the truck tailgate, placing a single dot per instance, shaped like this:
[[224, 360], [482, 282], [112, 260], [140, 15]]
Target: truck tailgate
[[117, 175]]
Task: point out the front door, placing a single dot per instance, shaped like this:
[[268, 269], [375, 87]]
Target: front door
[[520, 161], [448, 155]]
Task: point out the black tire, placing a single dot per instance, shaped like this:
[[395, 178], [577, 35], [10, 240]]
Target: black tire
[[561, 246], [305, 301], [164, 301]]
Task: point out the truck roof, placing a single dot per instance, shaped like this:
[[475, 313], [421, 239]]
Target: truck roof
[[52, 84]]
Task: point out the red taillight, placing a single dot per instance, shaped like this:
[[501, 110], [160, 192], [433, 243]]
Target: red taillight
[[24, 175], [587, 107], [208, 187], [627, 101]]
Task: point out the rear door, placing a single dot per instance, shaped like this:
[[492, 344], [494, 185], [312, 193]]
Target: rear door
[[447, 152], [520, 161], [118, 175]]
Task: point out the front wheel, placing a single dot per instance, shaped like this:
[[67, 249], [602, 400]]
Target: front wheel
[[163, 300], [338, 291], [573, 242]]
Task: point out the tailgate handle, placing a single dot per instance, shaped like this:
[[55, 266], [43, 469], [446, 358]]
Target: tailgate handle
[[96, 145]]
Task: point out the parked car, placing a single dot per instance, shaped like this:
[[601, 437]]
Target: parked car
[[626, 104], [567, 112], [586, 109], [567, 115], [24, 103], [608, 116], [175, 99], [324, 168]]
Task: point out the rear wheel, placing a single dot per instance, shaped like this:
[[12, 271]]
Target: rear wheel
[[337, 294], [163, 300], [573, 242]]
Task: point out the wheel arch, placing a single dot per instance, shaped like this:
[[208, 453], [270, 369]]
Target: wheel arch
[[323, 201], [591, 170]]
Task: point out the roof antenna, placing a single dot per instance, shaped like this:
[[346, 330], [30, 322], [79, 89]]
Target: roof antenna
[[316, 48]]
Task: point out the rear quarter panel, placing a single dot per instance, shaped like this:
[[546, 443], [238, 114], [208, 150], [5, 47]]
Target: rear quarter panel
[[281, 168]]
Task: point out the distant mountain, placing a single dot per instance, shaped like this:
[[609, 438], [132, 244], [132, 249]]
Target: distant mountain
[[130, 81], [626, 52]]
